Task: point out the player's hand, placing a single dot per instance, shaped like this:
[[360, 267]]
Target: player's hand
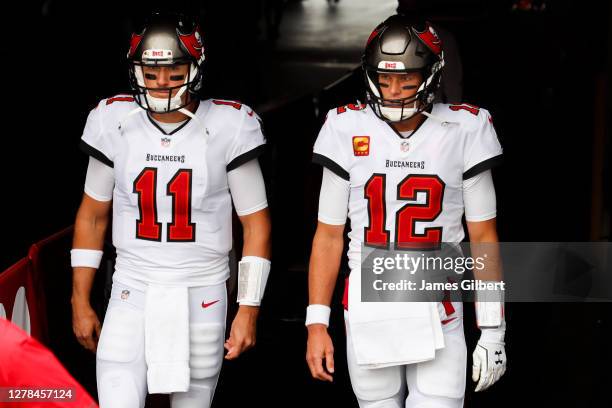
[[243, 332], [86, 325], [489, 359], [320, 347]]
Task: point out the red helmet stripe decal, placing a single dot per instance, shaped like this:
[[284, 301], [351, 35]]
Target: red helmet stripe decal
[[193, 43], [134, 43], [431, 39], [372, 36]]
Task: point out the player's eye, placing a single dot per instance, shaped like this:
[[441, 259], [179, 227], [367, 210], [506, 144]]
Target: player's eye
[[177, 77], [151, 77]]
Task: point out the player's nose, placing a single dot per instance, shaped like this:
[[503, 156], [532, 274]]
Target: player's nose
[[395, 87], [164, 76]]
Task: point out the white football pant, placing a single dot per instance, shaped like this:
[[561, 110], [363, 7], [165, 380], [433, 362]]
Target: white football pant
[[438, 383], [121, 368]]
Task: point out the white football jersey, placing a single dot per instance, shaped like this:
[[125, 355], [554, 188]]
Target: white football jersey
[[406, 193], [171, 201]]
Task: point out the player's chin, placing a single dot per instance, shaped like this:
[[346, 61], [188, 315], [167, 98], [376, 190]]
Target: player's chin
[[158, 94]]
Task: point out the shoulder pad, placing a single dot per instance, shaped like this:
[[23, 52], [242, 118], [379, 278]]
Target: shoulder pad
[[231, 111], [350, 107], [117, 105], [221, 102], [345, 111], [467, 115]]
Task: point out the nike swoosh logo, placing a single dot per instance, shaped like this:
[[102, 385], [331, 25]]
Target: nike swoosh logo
[[448, 320], [205, 305]]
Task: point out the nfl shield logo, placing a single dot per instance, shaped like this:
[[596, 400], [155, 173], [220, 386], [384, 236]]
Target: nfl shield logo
[[405, 146], [165, 141], [125, 294]]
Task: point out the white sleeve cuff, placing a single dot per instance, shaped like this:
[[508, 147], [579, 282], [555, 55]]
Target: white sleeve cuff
[[317, 314], [330, 221], [480, 218], [253, 209], [96, 196]]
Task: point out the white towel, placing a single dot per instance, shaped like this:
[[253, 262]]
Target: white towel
[[392, 333], [167, 339]]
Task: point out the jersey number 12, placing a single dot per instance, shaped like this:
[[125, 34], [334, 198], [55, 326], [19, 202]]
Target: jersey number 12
[[406, 237]]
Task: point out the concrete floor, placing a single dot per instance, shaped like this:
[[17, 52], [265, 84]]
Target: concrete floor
[[318, 44], [315, 25]]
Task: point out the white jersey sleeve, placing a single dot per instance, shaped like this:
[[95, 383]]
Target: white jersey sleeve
[[100, 180], [247, 188], [479, 197], [333, 199], [93, 141], [482, 148], [248, 142], [328, 149]]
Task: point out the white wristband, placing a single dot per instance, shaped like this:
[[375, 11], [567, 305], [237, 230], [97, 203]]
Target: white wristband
[[253, 274], [317, 314], [489, 306], [88, 258], [493, 334]]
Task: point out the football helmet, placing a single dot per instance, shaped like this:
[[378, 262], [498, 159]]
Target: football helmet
[[166, 40], [397, 46]]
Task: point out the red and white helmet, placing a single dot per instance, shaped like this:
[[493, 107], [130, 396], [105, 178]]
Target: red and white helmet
[[397, 46], [165, 40]]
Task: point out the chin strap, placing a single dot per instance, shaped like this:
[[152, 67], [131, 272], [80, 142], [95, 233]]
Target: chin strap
[[160, 105]]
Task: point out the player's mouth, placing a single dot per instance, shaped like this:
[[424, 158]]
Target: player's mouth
[[159, 94]]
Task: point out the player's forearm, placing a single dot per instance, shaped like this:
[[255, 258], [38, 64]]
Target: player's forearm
[[82, 282], [489, 255], [484, 245], [256, 234], [89, 233], [324, 267]]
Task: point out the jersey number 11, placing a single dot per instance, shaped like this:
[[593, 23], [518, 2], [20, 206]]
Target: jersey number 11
[[181, 229]]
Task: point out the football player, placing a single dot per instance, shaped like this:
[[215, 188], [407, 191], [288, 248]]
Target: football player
[[169, 165], [405, 170]]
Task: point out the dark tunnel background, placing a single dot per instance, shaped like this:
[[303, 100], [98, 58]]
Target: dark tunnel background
[[544, 76]]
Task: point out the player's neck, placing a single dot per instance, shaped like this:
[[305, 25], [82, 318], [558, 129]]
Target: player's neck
[[176, 116], [409, 124]]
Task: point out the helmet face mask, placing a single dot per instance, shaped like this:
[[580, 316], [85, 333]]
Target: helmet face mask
[[397, 47], [166, 41], [170, 98], [392, 110]]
